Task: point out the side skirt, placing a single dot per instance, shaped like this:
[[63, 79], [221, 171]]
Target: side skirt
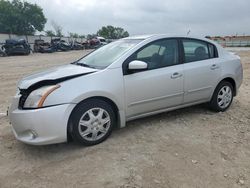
[[164, 110]]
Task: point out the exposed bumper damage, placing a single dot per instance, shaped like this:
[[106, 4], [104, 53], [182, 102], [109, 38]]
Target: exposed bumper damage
[[45, 125]]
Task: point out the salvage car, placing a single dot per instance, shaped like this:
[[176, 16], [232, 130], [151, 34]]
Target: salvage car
[[43, 47], [127, 79], [16, 47]]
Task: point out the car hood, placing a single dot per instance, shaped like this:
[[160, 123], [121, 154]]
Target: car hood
[[60, 73]]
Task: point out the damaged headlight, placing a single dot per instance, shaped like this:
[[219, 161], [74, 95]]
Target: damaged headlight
[[37, 97]]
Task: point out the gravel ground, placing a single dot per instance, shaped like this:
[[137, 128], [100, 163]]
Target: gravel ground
[[191, 147]]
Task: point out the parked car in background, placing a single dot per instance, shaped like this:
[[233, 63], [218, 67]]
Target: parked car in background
[[127, 79], [76, 45], [93, 43], [102, 40], [60, 45], [16, 47], [43, 47], [96, 42]]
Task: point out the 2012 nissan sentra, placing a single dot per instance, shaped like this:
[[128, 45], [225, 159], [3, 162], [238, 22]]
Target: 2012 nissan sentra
[[127, 79]]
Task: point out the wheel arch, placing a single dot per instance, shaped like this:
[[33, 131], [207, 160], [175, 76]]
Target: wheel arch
[[231, 81]]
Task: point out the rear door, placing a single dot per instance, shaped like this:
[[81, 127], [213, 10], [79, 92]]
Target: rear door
[[201, 69]]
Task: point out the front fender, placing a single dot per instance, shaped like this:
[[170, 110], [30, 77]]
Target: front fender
[[90, 94], [100, 84]]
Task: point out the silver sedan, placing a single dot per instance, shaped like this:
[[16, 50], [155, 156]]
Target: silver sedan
[[124, 80]]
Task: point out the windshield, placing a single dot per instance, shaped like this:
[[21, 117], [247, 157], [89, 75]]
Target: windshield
[[106, 55]]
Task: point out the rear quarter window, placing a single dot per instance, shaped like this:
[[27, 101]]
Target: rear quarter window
[[212, 51]]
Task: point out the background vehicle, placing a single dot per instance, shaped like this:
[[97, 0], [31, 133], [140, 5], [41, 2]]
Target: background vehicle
[[102, 40], [43, 47], [124, 80], [16, 47], [60, 45], [96, 42], [76, 45], [93, 43]]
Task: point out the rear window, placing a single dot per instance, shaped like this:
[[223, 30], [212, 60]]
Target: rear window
[[195, 50]]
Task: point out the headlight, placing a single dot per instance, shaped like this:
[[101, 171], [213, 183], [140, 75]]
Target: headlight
[[37, 97]]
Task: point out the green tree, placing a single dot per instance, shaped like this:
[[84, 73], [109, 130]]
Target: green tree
[[121, 33], [21, 17], [111, 32], [50, 33]]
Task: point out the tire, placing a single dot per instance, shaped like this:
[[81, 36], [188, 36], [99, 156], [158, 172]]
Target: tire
[[219, 103], [92, 122]]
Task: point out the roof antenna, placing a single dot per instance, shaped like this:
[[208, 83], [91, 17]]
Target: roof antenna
[[188, 32]]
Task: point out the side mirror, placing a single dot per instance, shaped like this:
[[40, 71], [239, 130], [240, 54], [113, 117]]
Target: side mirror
[[137, 65]]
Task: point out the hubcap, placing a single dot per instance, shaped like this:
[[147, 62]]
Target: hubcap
[[94, 124], [224, 97]]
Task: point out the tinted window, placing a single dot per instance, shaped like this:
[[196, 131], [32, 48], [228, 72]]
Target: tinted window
[[158, 54], [212, 51], [195, 50], [149, 51]]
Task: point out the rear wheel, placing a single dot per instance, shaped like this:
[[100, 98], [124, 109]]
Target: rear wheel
[[92, 122], [222, 97]]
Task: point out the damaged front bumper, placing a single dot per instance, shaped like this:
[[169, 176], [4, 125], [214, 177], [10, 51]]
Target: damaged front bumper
[[40, 126]]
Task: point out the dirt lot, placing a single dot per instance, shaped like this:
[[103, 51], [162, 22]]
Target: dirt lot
[[191, 147]]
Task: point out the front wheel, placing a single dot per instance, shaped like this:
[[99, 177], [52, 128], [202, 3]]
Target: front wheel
[[222, 97], [92, 122]]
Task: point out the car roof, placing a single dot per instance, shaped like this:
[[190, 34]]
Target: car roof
[[142, 37], [159, 36]]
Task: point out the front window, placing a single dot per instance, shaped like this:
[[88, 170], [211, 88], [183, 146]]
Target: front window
[[106, 55], [158, 54]]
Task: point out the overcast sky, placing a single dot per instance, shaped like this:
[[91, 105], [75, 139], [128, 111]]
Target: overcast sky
[[202, 17]]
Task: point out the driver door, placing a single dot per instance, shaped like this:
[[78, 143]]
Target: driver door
[[158, 87]]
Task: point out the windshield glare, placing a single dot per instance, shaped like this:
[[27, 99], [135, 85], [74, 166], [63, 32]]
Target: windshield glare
[[106, 55]]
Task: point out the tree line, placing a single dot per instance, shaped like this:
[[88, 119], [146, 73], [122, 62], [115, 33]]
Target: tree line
[[24, 18]]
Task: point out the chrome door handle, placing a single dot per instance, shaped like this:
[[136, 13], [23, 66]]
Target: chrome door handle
[[176, 75], [214, 66]]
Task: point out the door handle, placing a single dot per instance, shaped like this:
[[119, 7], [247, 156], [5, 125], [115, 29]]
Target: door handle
[[214, 66], [176, 75]]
